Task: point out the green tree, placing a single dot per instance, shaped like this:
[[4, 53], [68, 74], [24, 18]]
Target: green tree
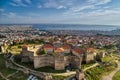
[[40, 52], [91, 43]]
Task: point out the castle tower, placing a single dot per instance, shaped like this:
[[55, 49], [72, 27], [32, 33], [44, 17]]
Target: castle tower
[[24, 48], [80, 60], [80, 75], [59, 61], [89, 56]]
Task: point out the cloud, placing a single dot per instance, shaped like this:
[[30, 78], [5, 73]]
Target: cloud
[[99, 2], [74, 11], [23, 3], [88, 6], [103, 2], [1, 10], [103, 13], [59, 4], [28, 1], [16, 4], [110, 16], [51, 4], [39, 6], [61, 7], [11, 15], [99, 16], [80, 8]]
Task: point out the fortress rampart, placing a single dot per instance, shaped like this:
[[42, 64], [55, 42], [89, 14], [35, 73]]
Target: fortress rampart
[[43, 60], [59, 62]]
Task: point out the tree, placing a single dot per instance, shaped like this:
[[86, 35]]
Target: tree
[[91, 43], [42, 52]]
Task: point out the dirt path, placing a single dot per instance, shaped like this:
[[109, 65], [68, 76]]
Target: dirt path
[[3, 76], [10, 75], [109, 77], [74, 72], [94, 65]]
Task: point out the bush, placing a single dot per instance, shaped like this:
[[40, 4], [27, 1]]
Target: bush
[[97, 72], [116, 76], [19, 46]]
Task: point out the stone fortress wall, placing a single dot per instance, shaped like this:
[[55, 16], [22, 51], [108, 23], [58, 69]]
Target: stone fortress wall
[[27, 55], [58, 61], [43, 60]]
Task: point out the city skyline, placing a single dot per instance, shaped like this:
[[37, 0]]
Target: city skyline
[[101, 12]]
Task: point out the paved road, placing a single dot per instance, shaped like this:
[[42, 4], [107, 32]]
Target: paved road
[[109, 77]]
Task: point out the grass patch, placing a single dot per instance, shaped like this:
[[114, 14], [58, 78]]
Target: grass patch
[[97, 72], [86, 65], [3, 68], [27, 64], [1, 78], [106, 59], [116, 76], [6, 71], [19, 76]]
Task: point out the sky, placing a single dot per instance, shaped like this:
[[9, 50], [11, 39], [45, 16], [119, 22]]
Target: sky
[[101, 12]]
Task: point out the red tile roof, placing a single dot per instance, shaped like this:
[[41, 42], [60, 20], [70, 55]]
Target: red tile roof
[[78, 50], [59, 50], [66, 47], [24, 46], [48, 46], [90, 49]]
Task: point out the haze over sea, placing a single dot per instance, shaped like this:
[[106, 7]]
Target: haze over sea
[[75, 27]]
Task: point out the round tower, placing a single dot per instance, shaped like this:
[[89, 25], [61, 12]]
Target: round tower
[[59, 61]]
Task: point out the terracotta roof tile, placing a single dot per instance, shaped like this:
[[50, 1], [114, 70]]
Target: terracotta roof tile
[[59, 50], [90, 49], [66, 47], [24, 46], [78, 50], [48, 46]]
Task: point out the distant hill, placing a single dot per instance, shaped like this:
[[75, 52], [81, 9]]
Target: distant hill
[[113, 32], [64, 29], [15, 28]]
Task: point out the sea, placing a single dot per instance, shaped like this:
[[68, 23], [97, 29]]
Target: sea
[[70, 27], [75, 27]]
